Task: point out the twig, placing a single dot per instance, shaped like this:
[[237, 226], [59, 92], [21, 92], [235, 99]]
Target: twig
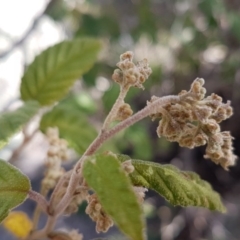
[[25, 141], [102, 137], [39, 199]]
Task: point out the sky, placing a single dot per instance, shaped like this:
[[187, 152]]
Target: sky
[[16, 17]]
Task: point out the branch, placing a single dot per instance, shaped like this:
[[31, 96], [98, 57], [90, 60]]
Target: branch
[[39, 199]]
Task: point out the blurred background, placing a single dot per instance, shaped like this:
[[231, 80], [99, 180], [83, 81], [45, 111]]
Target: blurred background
[[182, 40]]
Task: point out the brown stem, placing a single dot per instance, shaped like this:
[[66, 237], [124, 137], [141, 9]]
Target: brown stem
[[26, 140], [76, 176], [39, 199], [115, 107], [102, 137]]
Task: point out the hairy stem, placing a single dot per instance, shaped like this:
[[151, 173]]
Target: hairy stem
[[115, 107], [39, 199], [101, 138], [76, 176]]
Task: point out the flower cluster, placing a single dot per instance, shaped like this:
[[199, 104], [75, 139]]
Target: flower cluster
[[123, 112], [97, 214], [57, 153], [194, 121], [130, 74], [127, 166]]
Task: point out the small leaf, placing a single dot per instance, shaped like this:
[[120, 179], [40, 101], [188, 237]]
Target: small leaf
[[14, 187], [105, 175], [73, 126], [18, 223], [11, 122], [53, 72], [178, 187]]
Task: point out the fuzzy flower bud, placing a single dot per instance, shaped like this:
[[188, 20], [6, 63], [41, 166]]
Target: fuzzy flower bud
[[124, 112], [194, 121], [130, 74], [127, 166], [97, 214]]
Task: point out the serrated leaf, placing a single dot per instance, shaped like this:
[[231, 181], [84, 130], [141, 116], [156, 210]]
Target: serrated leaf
[[105, 175], [182, 188], [73, 126], [53, 72], [11, 122], [14, 187]]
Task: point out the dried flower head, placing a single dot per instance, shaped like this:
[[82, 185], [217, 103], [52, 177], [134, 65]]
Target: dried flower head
[[130, 74], [97, 214], [57, 153], [127, 166], [194, 121], [124, 112]]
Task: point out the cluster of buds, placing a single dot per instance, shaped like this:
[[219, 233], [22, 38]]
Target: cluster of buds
[[130, 74], [127, 166], [194, 121], [97, 214], [57, 153], [123, 112]]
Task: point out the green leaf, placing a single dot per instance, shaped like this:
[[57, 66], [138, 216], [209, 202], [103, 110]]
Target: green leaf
[[54, 71], [73, 126], [14, 187], [11, 122], [182, 188], [105, 175]]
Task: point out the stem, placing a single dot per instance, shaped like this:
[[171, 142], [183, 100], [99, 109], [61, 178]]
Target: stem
[[41, 201], [76, 176], [102, 137], [37, 211], [115, 107], [26, 140]]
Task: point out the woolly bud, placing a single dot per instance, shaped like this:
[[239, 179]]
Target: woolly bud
[[127, 55], [200, 140], [124, 112], [75, 235], [117, 76], [127, 166], [212, 126], [97, 214]]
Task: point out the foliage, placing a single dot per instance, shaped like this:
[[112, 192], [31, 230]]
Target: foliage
[[11, 122], [104, 174], [55, 70], [182, 188], [14, 187], [186, 42]]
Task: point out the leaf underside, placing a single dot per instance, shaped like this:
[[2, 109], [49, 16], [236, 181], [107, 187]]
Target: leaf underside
[[11, 122], [183, 188], [51, 74], [14, 187], [114, 190]]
